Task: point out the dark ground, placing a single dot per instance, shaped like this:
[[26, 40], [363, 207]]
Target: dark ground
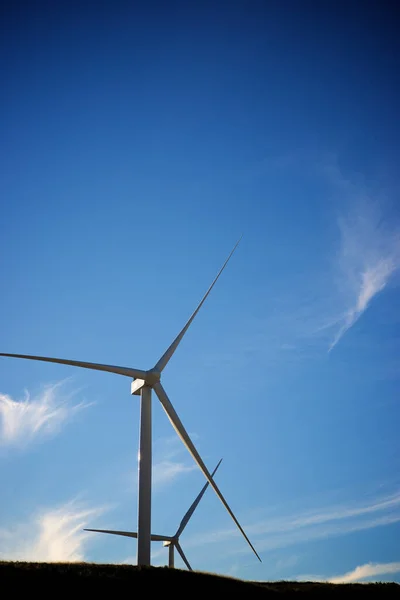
[[54, 579]]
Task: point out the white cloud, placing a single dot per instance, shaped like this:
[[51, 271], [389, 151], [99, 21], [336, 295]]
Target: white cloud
[[52, 535], [168, 464], [29, 419], [369, 253], [366, 572], [166, 471], [310, 310], [316, 310], [287, 530]]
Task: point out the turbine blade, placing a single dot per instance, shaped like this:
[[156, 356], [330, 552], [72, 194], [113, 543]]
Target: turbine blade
[[162, 363], [193, 507], [181, 431], [181, 552], [133, 534], [135, 373]]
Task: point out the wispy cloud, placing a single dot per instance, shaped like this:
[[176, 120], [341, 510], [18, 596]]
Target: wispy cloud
[[369, 252], [362, 259], [166, 471], [32, 418], [307, 312], [169, 464], [51, 535], [370, 571], [269, 534], [367, 571]]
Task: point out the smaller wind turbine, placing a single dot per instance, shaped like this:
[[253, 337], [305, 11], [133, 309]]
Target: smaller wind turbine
[[170, 541]]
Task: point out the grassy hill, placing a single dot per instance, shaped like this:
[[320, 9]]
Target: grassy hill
[[51, 579]]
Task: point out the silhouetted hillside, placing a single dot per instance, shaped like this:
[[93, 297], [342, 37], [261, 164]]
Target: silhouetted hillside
[[51, 579]]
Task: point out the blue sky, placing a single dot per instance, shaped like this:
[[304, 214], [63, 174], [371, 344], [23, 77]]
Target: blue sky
[[140, 140]]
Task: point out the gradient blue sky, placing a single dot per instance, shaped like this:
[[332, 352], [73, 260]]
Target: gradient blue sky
[[139, 141]]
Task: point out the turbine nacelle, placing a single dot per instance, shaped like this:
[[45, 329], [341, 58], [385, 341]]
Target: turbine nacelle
[[150, 379]]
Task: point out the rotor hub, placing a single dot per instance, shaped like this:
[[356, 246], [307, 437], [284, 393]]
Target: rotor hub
[[152, 376]]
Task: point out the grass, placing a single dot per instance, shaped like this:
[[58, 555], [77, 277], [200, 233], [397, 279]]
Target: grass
[[51, 579]]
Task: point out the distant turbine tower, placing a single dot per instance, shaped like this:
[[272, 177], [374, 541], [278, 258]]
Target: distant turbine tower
[[143, 383], [171, 541]]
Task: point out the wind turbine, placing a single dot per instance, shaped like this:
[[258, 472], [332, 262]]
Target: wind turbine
[[170, 541], [143, 383]]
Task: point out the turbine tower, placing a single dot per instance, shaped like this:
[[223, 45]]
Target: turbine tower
[[143, 383], [170, 541]]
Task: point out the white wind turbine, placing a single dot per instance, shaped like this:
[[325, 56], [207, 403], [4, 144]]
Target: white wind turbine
[[172, 541], [143, 383]]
